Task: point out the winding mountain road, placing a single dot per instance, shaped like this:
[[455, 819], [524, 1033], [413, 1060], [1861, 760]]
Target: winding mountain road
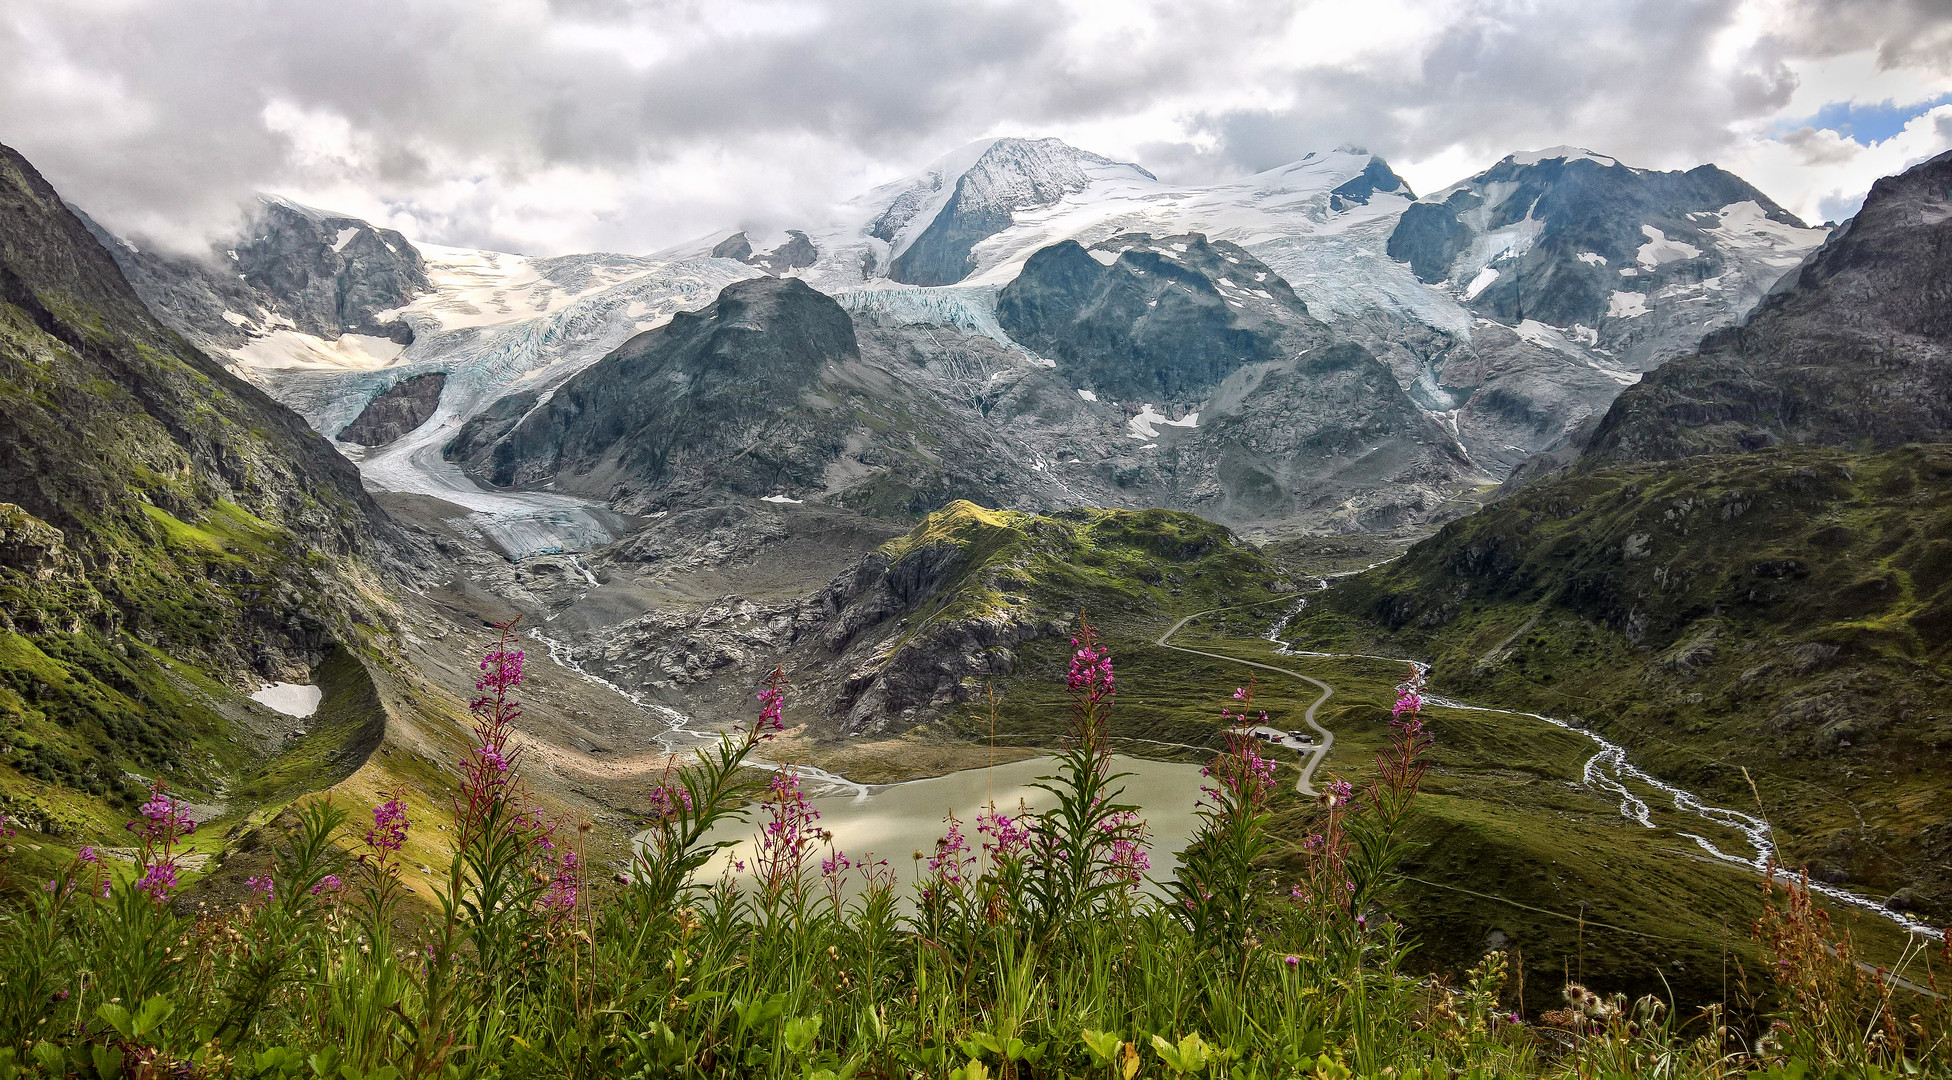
[[1305, 785]]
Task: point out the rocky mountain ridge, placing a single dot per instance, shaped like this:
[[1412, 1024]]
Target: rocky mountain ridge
[[1853, 350], [166, 530]]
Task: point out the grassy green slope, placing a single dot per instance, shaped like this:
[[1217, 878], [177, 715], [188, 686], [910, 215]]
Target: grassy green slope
[[1778, 618], [167, 533]]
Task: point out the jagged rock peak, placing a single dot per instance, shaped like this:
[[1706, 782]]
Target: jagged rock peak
[[1634, 262], [1853, 349], [932, 227]]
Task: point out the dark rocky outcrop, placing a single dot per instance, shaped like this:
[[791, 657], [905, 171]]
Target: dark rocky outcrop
[[317, 272], [796, 252], [1854, 350], [1376, 177], [398, 409], [1162, 320], [1634, 264], [699, 401]]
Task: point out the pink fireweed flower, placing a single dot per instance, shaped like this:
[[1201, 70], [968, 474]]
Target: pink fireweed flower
[[390, 825], [501, 669], [164, 821], [1006, 835], [1409, 697], [564, 885], [1091, 671], [162, 817], [787, 835], [88, 855], [1240, 693], [1128, 855], [667, 798], [262, 885], [836, 864], [772, 706], [328, 883], [158, 879], [951, 860], [1337, 793]]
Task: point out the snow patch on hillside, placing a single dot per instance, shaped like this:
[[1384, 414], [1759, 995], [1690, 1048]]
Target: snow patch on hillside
[[1659, 249], [1146, 425]]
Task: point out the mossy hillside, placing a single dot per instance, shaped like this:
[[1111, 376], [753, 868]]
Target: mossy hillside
[[993, 597], [1515, 850], [1766, 626], [167, 533], [1118, 565]]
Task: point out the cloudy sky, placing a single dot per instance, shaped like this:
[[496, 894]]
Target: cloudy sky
[[551, 126]]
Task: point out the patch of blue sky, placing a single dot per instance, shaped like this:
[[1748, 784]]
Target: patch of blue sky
[[1864, 124]]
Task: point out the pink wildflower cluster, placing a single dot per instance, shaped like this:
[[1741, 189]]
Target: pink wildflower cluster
[[1007, 836], [390, 825], [1409, 698], [951, 861], [1091, 669], [1403, 766], [163, 823], [1337, 793], [565, 884], [330, 883], [667, 797], [1127, 834], [262, 886], [501, 669], [163, 818], [787, 835], [772, 705], [1241, 776], [487, 771]]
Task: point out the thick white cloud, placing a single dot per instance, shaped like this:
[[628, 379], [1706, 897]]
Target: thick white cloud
[[630, 124]]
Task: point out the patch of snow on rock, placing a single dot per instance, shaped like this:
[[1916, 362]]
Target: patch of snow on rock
[[292, 699], [1146, 425], [1560, 153], [1659, 249], [1626, 305], [1480, 283], [781, 499], [1087, 395]]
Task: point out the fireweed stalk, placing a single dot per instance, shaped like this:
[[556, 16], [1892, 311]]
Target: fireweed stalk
[[1219, 889], [1089, 840], [686, 803], [495, 877]]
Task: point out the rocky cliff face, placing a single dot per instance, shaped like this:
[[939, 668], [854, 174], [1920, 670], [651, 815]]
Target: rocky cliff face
[[398, 409], [1162, 320], [1633, 264], [291, 266], [766, 392], [151, 505], [1854, 350]]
